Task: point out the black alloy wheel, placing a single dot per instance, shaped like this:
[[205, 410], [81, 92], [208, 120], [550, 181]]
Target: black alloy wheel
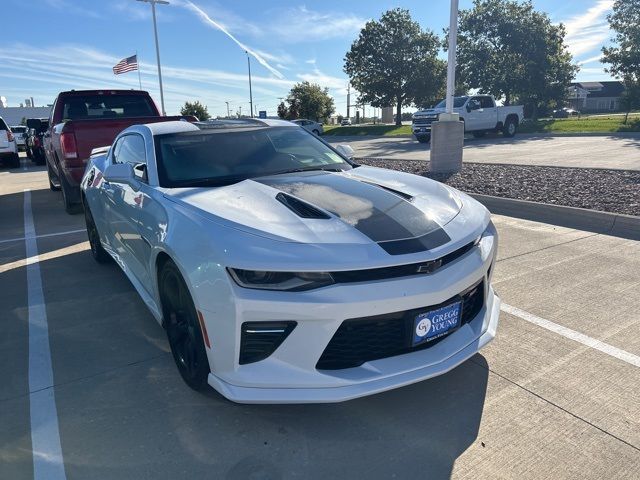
[[183, 328], [99, 254]]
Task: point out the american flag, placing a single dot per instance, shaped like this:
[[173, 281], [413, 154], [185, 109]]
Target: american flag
[[125, 65]]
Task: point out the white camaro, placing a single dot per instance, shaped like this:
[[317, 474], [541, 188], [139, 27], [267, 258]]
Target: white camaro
[[281, 271]]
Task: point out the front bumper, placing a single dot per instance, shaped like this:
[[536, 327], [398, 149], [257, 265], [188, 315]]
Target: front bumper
[[462, 345], [290, 374]]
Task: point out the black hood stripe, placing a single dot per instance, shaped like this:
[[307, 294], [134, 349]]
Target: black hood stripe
[[385, 217]]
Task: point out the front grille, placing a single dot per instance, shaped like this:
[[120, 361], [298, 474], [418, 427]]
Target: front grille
[[424, 121], [360, 340]]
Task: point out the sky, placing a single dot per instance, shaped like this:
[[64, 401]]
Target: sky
[[54, 45]]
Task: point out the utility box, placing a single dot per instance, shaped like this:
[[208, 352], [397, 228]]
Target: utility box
[[387, 114], [447, 140]]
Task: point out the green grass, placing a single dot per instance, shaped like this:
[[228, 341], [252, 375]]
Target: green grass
[[379, 130], [584, 124]]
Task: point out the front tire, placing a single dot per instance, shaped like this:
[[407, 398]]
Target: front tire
[[183, 329], [424, 138], [99, 254]]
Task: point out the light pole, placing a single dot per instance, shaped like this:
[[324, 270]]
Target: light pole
[[250, 93], [447, 134], [155, 32], [228, 114], [451, 61]]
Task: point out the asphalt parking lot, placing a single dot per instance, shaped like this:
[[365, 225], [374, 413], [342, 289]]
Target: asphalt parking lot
[[618, 151], [556, 395]]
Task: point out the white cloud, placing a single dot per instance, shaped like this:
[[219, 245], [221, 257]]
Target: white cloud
[[339, 84], [301, 24], [588, 31], [593, 59], [212, 23], [46, 71]]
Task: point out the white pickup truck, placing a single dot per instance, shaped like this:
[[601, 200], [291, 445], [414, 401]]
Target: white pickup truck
[[478, 112]]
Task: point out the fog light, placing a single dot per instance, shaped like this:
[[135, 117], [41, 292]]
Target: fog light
[[258, 340]]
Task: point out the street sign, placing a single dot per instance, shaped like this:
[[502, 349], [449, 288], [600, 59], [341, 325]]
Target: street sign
[[262, 114]]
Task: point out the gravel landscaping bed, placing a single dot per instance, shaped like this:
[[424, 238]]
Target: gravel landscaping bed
[[616, 191]]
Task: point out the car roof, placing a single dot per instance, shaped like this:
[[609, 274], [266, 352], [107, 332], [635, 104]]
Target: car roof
[[161, 128]]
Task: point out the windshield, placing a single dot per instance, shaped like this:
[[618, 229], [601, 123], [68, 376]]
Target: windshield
[[224, 156], [457, 102], [18, 129]]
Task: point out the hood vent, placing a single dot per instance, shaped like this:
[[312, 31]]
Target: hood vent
[[300, 208], [406, 196]]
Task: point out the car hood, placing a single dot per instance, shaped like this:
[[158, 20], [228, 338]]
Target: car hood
[[402, 213]]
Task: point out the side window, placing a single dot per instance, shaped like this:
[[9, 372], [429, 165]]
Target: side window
[[131, 149], [474, 104], [486, 102]]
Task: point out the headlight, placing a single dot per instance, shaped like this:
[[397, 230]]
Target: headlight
[[490, 231], [287, 281]]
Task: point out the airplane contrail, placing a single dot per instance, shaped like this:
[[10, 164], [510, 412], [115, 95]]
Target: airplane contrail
[[207, 19]]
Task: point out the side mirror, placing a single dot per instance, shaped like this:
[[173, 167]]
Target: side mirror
[[345, 150], [119, 173], [34, 123], [468, 108]]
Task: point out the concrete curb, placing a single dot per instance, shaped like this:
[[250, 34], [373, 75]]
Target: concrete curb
[[617, 225]]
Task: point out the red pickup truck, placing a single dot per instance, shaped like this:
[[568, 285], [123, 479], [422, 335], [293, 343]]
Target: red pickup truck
[[82, 120]]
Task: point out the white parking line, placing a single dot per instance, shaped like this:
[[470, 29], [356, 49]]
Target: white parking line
[[627, 357], [20, 239], [45, 436]]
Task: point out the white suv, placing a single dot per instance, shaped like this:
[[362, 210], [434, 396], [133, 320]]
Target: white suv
[[8, 146]]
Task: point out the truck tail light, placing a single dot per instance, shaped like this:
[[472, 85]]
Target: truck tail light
[[36, 142], [68, 145], [10, 136]]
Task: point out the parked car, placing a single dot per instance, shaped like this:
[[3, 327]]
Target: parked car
[[82, 120], [346, 122], [35, 139], [20, 134], [281, 271], [565, 113], [8, 147], [479, 114], [310, 126]]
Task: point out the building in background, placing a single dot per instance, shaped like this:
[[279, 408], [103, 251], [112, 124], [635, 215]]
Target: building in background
[[15, 115], [596, 97]]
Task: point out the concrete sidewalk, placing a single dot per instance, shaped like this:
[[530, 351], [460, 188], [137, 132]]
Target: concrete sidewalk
[[615, 151]]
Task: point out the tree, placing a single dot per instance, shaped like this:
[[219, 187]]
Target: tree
[[196, 109], [282, 110], [308, 100], [508, 49], [623, 56], [394, 61]]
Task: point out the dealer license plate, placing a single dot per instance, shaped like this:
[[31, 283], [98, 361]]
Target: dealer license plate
[[430, 325]]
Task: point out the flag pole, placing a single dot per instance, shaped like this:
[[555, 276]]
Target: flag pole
[[138, 61], [155, 32]]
